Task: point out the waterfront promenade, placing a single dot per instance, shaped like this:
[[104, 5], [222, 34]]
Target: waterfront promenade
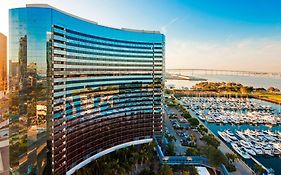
[[241, 167]]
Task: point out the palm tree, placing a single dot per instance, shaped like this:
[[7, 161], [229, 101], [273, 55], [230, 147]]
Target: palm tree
[[231, 157], [258, 169]]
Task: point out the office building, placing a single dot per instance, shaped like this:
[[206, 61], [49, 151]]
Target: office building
[[3, 63]]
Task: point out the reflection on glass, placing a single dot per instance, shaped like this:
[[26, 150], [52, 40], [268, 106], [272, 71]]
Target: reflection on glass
[[78, 89]]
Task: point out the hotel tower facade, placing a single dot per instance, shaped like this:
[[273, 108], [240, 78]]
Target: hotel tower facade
[[79, 90]]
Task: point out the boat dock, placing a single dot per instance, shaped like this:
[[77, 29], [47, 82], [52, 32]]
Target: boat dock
[[257, 162], [241, 167]]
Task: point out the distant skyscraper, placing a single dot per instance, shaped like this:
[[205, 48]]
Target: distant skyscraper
[[79, 90], [3, 62]]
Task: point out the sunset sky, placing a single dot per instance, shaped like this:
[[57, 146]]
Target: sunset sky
[[215, 34]]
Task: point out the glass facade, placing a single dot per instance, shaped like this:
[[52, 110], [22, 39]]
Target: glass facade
[[79, 89], [3, 64]]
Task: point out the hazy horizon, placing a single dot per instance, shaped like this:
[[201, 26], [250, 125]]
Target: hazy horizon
[[238, 35]]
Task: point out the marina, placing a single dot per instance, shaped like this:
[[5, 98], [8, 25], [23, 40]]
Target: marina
[[249, 143], [239, 135], [232, 110]]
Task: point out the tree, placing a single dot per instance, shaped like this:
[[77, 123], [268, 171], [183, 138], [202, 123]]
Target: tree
[[203, 130], [246, 89], [258, 169], [147, 172], [192, 152], [170, 150], [215, 156], [211, 140], [193, 122], [192, 170], [186, 115], [231, 157], [170, 138], [273, 90], [260, 90], [166, 170], [121, 161]]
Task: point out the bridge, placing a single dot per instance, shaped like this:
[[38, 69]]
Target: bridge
[[223, 72]]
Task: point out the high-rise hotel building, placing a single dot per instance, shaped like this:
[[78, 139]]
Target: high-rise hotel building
[[79, 90]]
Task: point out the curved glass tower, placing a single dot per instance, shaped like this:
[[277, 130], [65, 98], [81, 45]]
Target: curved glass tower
[[79, 90]]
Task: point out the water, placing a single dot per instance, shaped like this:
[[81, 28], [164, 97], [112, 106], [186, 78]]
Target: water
[[268, 162], [255, 81]]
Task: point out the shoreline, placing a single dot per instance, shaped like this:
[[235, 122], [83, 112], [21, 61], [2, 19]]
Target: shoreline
[[216, 94], [267, 100]]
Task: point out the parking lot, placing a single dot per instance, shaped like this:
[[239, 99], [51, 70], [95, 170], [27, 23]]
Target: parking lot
[[178, 127]]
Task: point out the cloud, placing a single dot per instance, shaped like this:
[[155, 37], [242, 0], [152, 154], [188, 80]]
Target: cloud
[[164, 29], [246, 54]]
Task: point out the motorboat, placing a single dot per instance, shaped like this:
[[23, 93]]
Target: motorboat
[[250, 151], [258, 150], [224, 136], [242, 153], [245, 144]]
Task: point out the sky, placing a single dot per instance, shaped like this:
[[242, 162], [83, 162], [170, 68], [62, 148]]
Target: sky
[[209, 34]]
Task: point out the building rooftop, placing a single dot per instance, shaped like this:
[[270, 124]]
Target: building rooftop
[[87, 20]]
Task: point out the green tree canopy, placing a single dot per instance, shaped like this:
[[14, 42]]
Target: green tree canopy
[[193, 122], [166, 170], [170, 149], [273, 90], [215, 156], [192, 152], [211, 140]]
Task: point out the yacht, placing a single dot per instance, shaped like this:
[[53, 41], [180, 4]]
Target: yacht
[[241, 135], [233, 138], [224, 136], [258, 150], [250, 151], [245, 144], [242, 153]]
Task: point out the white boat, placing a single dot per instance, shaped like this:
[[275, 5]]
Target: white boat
[[241, 135], [268, 152], [258, 150], [229, 132], [250, 151], [276, 151], [242, 153], [224, 136], [202, 117], [245, 144], [233, 137]]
